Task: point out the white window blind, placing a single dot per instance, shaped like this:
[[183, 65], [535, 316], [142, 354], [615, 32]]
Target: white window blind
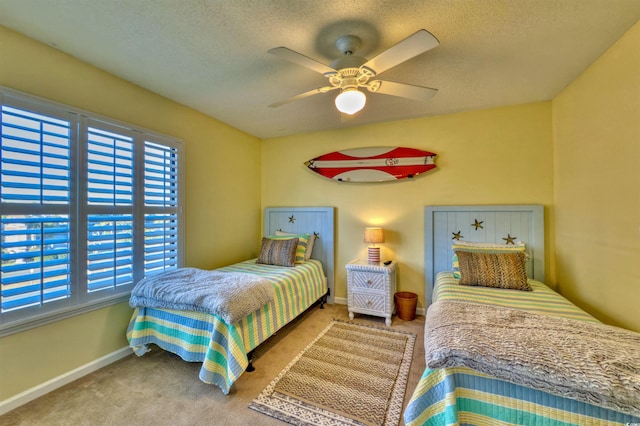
[[110, 202], [35, 260], [35, 193], [35, 158], [110, 168], [88, 206], [161, 208]]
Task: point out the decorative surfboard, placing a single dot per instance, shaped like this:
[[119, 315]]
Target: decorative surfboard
[[375, 164]]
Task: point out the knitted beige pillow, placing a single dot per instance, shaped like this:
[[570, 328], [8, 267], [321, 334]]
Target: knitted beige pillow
[[278, 252], [497, 270]]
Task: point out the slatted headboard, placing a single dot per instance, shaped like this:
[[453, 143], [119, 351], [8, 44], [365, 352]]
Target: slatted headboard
[[490, 224], [309, 220]]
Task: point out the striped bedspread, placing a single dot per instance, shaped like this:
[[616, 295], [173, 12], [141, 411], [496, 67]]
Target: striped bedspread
[[542, 299], [462, 396], [223, 348]]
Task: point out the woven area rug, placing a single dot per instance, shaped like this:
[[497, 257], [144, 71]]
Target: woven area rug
[[351, 374]]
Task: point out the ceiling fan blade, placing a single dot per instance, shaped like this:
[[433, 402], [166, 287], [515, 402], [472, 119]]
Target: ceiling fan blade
[[417, 43], [324, 89], [410, 91], [300, 59]]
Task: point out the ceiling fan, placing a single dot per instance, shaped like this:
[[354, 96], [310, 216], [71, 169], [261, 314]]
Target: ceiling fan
[[351, 72]]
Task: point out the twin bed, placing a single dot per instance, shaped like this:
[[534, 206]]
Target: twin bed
[[498, 356], [494, 355], [223, 342]]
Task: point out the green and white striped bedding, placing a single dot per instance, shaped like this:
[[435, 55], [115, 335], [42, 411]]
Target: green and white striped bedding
[[462, 396], [222, 348], [541, 300]]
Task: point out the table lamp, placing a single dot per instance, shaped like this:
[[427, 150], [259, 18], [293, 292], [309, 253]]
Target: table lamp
[[373, 236]]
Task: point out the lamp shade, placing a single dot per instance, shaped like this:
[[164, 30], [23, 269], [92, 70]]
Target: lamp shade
[[373, 235], [350, 101]]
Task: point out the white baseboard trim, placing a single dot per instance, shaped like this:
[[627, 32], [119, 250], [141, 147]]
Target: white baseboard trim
[[343, 301], [340, 300], [57, 382]]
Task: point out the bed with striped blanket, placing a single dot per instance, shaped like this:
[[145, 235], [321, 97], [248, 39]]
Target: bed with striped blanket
[[457, 395], [460, 395], [222, 348]]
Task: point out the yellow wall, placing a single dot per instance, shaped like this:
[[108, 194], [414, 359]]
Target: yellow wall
[[497, 156], [223, 214], [596, 125]]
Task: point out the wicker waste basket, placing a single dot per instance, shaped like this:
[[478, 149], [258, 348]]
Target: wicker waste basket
[[406, 305]]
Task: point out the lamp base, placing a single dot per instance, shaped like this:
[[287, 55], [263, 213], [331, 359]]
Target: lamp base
[[374, 254]]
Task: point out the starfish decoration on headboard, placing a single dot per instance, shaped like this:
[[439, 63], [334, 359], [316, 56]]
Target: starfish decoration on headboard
[[292, 219], [477, 223], [457, 235], [509, 239], [316, 234]]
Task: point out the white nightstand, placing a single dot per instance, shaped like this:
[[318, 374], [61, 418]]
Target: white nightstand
[[370, 288]]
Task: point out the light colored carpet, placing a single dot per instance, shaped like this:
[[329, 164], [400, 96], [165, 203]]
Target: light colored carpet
[[350, 374], [162, 389]]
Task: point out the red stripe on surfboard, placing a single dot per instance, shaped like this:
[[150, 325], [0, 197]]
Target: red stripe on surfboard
[[394, 153], [398, 172]]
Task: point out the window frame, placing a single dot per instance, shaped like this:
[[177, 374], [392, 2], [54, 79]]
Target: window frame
[[78, 209]]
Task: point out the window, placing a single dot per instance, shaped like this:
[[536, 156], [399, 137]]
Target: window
[[88, 207]]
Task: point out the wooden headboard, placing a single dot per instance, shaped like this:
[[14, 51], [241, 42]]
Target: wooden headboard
[[490, 224], [309, 220]]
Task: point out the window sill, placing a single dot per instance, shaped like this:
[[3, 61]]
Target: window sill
[[20, 326]]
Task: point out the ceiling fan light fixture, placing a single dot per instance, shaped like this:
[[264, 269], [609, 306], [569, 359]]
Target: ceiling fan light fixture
[[350, 101], [350, 71]]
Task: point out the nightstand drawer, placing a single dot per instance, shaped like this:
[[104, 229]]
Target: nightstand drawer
[[368, 280], [370, 289], [372, 302]]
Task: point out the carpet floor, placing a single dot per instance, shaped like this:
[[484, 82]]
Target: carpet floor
[[162, 389]]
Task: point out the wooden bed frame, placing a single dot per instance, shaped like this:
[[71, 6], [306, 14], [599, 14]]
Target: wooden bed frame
[[490, 224]]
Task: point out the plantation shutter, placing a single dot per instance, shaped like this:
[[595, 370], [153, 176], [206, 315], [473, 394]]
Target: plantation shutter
[[88, 207], [161, 208], [110, 219], [35, 193]]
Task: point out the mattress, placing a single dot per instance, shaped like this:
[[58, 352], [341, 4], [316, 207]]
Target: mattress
[[459, 395], [222, 348]]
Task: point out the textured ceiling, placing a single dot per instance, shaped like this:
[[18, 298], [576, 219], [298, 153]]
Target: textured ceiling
[[212, 54]]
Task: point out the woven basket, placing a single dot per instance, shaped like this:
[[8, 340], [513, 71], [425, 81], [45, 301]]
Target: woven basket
[[406, 305]]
